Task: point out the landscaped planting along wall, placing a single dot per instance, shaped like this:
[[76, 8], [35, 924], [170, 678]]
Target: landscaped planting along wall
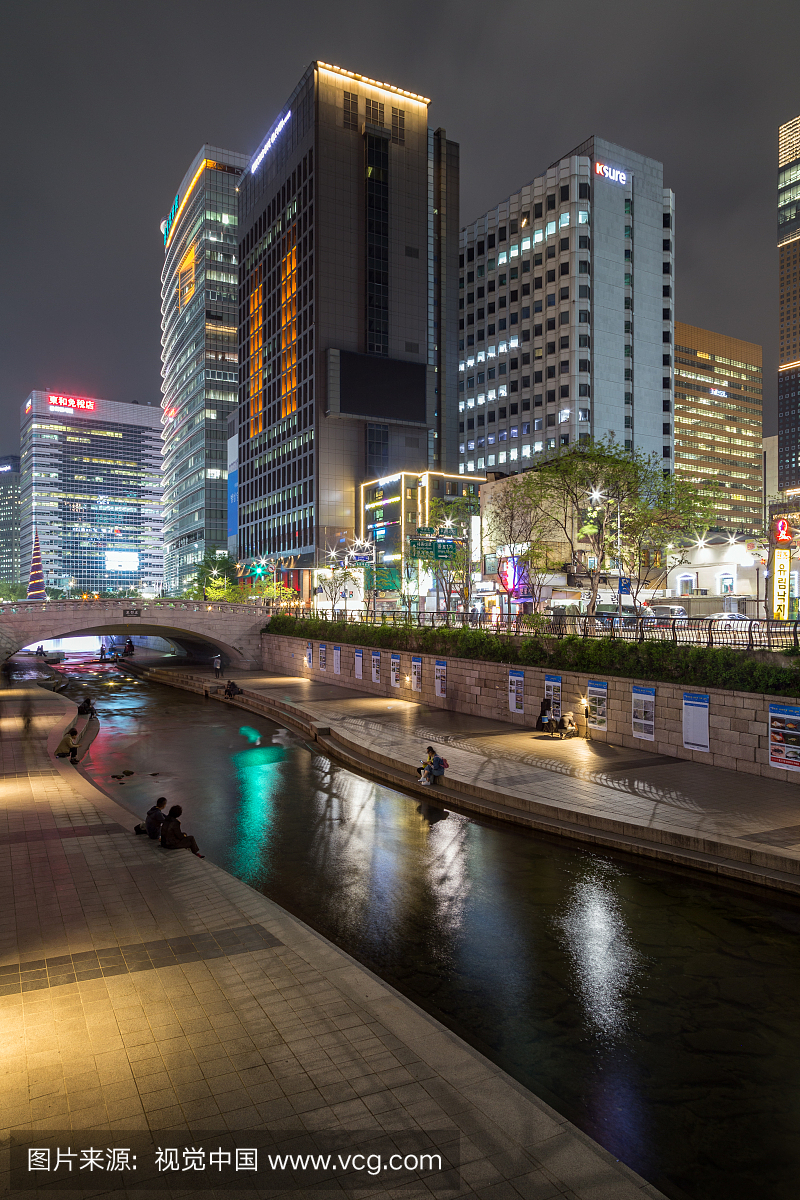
[[669, 718]]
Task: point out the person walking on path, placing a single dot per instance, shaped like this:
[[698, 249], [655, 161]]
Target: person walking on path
[[68, 746], [217, 665], [173, 837]]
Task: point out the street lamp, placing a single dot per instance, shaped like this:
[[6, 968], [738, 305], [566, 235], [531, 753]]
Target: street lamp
[[596, 495]]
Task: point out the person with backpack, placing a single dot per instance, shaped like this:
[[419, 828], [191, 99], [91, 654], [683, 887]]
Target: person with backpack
[[434, 769]]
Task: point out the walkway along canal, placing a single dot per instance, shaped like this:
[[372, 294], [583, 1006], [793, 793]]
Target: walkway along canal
[[654, 1008]]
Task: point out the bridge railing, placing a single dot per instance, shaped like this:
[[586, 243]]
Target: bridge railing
[[128, 607]]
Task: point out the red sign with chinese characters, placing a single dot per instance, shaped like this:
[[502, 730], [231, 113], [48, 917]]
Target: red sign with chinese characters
[[71, 402]]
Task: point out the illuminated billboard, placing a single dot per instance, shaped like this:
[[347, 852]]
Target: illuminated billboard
[[76, 402], [122, 560]]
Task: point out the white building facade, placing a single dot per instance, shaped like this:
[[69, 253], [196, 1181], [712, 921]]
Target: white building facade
[[567, 292]]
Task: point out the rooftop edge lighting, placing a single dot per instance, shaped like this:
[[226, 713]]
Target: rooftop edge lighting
[[270, 142], [389, 87]]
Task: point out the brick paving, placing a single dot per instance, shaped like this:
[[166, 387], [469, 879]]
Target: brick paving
[[147, 990]]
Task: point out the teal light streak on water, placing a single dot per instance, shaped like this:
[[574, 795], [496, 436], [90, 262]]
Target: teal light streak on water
[[260, 774]]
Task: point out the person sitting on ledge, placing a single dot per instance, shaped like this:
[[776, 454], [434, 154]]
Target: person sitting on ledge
[[154, 819], [231, 690], [68, 746], [173, 837]]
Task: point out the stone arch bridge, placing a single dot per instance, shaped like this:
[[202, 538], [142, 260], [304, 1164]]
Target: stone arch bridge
[[234, 630]]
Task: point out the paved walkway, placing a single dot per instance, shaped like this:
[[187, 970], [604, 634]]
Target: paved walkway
[[143, 990], [653, 804]]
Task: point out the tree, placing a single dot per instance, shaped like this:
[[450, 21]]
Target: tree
[[216, 575], [596, 492], [453, 576], [518, 525], [655, 525], [334, 581], [15, 591]]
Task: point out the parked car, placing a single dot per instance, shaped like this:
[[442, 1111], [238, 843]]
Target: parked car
[[733, 620], [669, 612]]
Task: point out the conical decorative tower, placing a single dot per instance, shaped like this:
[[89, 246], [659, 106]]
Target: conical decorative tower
[[36, 581]]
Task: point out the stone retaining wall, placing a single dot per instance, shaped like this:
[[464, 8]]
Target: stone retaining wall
[[738, 721]]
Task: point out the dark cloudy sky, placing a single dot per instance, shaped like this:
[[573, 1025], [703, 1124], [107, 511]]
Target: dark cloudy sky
[[105, 103]]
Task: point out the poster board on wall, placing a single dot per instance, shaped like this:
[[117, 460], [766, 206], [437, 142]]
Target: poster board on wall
[[552, 692], [323, 656], [695, 721], [643, 713], [309, 654], [359, 666], [416, 674], [376, 666], [516, 691], [597, 696], [337, 660], [441, 678], [784, 737], [394, 673]]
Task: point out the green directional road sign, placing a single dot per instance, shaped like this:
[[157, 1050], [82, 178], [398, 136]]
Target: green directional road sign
[[424, 530]]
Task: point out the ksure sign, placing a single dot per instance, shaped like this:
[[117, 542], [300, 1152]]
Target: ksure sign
[[613, 174]]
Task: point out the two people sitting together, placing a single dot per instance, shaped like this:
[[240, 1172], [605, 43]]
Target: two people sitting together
[[167, 827]]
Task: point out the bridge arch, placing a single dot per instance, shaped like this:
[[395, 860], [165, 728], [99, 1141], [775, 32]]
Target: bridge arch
[[233, 630]]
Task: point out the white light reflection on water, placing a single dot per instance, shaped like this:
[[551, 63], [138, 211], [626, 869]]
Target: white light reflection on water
[[605, 962]]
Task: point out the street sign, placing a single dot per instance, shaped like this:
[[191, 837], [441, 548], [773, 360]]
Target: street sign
[[624, 586], [438, 548], [361, 558], [426, 529]]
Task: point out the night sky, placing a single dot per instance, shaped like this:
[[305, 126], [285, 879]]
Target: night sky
[[106, 104]]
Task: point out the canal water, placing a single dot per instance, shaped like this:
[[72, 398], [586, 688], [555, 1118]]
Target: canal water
[[656, 1009]]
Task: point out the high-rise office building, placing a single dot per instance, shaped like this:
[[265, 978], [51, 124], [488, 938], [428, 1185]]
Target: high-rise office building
[[718, 422], [789, 272], [199, 355], [566, 313], [348, 226], [10, 568], [91, 488]]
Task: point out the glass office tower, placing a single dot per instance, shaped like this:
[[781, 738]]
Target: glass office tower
[[348, 242], [9, 519], [199, 356], [789, 272], [91, 488]]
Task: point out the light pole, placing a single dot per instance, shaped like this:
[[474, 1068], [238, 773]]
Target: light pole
[[597, 495]]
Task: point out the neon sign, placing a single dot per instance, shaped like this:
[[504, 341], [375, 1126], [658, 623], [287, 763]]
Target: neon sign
[[781, 531], [614, 174], [71, 402], [780, 585], [718, 392], [269, 143], [28, 405]]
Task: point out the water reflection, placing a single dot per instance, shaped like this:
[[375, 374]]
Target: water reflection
[[605, 961]]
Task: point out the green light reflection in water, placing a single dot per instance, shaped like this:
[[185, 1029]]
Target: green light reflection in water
[[259, 773]]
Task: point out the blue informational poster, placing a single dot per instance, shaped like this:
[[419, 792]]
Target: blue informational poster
[[516, 691], [784, 737], [309, 654], [441, 677], [323, 657], [337, 660], [359, 671], [695, 721], [552, 692], [394, 674], [416, 674], [597, 696], [643, 713], [376, 666]]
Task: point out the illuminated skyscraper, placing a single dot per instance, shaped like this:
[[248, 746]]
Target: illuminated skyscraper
[[10, 566], [198, 338], [91, 489], [789, 272], [348, 293]]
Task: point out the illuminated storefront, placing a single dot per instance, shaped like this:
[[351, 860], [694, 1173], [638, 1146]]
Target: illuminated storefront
[[91, 486]]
